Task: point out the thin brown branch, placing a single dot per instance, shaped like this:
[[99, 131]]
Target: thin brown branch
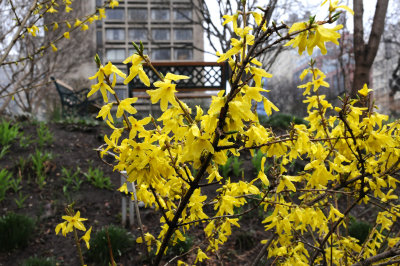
[[167, 221], [387, 254]]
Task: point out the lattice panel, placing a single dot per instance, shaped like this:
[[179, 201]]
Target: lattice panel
[[202, 77], [395, 84]]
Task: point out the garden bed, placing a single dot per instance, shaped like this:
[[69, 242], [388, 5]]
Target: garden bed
[[67, 150]]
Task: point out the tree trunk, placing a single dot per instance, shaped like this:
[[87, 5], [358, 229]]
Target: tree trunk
[[364, 53]]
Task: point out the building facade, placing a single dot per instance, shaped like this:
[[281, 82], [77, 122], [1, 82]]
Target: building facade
[[385, 63], [166, 28]]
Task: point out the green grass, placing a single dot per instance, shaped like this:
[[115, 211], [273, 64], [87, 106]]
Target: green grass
[[38, 160], [96, 177], [5, 183], [8, 134], [71, 179], [44, 135]]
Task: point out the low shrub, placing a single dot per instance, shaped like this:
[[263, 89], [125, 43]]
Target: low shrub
[[36, 261], [180, 247], [15, 231], [281, 121], [245, 241], [121, 242], [359, 230]]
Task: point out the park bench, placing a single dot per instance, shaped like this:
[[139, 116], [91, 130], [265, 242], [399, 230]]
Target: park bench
[[205, 77], [75, 102]]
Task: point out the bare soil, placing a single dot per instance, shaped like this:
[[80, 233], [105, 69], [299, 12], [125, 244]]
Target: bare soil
[[73, 147]]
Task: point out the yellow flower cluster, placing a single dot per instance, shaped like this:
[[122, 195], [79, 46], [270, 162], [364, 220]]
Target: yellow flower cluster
[[74, 222], [350, 151]]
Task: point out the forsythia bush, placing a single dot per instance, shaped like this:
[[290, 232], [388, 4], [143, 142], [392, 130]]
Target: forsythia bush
[[351, 152]]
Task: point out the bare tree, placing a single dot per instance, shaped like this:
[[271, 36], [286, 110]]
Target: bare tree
[[219, 37], [29, 39], [365, 52]]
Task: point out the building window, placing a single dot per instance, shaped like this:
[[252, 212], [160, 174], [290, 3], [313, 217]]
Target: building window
[[183, 34], [115, 14], [182, 14], [137, 14], [159, 14], [115, 34], [161, 34], [161, 54], [115, 54], [183, 54], [99, 38], [137, 34]]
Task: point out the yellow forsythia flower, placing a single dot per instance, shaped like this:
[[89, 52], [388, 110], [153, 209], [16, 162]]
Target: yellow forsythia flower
[[136, 69], [148, 238], [74, 221], [33, 30], [126, 105], [123, 189], [86, 237], [53, 47], [333, 6], [102, 13], [113, 3], [52, 10], [68, 9], [77, 23], [166, 91], [364, 91], [66, 35], [63, 227], [84, 27], [200, 256], [105, 111], [106, 70]]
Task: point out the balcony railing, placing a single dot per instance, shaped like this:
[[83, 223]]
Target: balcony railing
[[204, 76]]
